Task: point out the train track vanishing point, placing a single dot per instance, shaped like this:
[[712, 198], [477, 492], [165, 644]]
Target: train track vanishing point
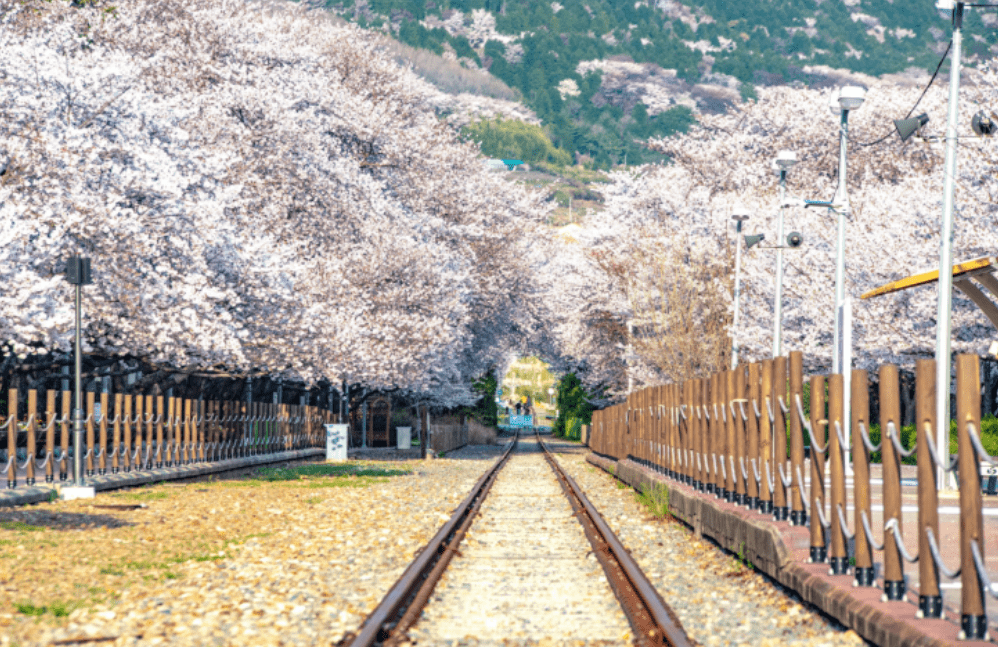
[[652, 621]]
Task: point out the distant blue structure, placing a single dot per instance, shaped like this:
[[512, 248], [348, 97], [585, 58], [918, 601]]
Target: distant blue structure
[[511, 164]]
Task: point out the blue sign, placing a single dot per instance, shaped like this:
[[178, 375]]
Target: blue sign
[[521, 421]]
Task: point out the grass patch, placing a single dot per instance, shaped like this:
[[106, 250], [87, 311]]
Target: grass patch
[[319, 475], [142, 495], [19, 526], [656, 499], [57, 609], [321, 470], [745, 561]]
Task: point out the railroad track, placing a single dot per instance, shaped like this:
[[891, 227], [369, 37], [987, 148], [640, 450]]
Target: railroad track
[[510, 585]]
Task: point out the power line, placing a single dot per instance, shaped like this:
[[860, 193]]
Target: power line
[[922, 96]]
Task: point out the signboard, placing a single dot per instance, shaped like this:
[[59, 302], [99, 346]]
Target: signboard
[[521, 421], [336, 442], [403, 437]]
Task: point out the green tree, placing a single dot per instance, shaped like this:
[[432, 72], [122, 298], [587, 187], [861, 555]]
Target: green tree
[[513, 139], [486, 411], [574, 408]]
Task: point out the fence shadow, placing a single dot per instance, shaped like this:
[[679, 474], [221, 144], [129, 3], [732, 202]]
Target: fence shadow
[[28, 521]]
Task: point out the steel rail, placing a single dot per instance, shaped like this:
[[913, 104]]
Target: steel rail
[[651, 619], [404, 602]]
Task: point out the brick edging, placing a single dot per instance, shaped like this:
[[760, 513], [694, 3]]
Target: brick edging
[[762, 544], [42, 493]]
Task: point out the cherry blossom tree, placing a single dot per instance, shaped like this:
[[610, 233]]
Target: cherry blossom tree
[[257, 188], [895, 191]]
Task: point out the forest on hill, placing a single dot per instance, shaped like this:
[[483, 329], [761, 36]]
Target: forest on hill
[[604, 76]]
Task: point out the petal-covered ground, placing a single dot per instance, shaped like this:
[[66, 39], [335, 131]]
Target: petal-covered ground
[[295, 556]]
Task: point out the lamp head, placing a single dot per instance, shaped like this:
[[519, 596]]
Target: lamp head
[[908, 127], [752, 241], [851, 97], [794, 239], [785, 160], [833, 102], [739, 212], [945, 5], [983, 125]]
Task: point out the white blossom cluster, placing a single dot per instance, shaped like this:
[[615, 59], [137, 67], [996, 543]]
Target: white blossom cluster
[[258, 189], [896, 198]]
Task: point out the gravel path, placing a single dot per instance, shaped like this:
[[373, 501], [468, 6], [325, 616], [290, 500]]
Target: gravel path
[[231, 562], [719, 600], [524, 571]]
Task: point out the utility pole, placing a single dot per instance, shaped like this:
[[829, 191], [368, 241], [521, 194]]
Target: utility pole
[[945, 304]]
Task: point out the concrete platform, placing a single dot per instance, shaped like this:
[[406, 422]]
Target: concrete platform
[[781, 551]]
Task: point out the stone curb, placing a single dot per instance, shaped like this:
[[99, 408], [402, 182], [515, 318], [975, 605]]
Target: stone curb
[[41, 493], [761, 543]]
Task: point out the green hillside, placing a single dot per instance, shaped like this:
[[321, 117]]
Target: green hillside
[[536, 47]]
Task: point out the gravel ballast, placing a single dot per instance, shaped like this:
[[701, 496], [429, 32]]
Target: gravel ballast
[[719, 600], [525, 571]]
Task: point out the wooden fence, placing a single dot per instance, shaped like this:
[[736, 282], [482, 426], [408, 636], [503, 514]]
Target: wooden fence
[[740, 435], [136, 432]]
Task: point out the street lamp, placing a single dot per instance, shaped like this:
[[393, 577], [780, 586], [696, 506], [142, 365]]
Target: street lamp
[[785, 160], [841, 103], [739, 215], [78, 275]]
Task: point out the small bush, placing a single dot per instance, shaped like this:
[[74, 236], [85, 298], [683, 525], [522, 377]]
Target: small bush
[[656, 499]]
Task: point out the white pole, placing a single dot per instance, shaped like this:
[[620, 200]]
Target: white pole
[[846, 356], [778, 301], [839, 350], [943, 332], [738, 277]]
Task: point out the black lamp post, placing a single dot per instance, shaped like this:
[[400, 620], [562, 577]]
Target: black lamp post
[[78, 275]]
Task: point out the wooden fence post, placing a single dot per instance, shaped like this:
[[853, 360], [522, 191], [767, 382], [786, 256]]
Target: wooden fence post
[[819, 453], [740, 414], [51, 417], [104, 412], [12, 438], [890, 416], [752, 433], [91, 445], [699, 387], [973, 621], [863, 573], [839, 558], [720, 435], [127, 431], [159, 430], [116, 438], [67, 400], [781, 507], [766, 453], [32, 449], [798, 514], [150, 455], [930, 601]]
